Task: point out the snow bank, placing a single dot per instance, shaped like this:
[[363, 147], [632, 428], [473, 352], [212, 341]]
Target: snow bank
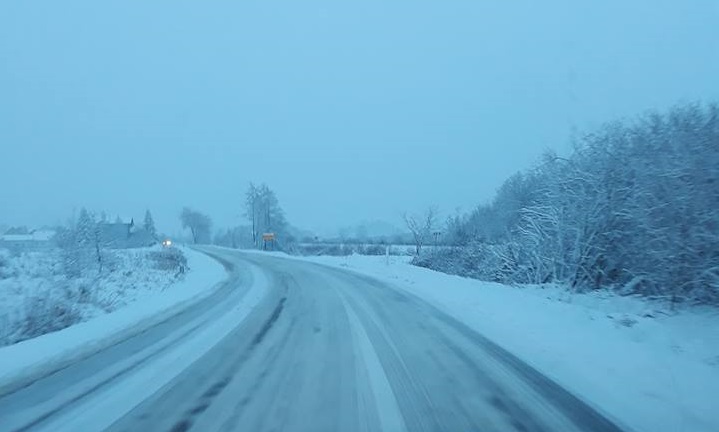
[[31, 357], [644, 366]]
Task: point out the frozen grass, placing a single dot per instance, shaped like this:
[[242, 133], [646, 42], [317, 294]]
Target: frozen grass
[[37, 297]]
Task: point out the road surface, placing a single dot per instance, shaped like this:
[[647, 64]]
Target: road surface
[[323, 350]]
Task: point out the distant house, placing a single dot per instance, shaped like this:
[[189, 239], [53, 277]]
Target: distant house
[[124, 235], [21, 239]]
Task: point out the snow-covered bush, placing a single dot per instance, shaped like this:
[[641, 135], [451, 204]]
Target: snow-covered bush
[[490, 262], [635, 208], [169, 259], [372, 249]]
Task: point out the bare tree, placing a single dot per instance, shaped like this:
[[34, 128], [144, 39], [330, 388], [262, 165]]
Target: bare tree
[[421, 227], [199, 225]]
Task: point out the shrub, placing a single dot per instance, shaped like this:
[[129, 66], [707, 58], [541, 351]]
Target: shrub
[[482, 261], [45, 314], [171, 260]]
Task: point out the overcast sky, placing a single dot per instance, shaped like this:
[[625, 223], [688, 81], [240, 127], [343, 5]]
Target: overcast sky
[[350, 110]]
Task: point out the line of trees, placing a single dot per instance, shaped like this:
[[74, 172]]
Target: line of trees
[[635, 207]]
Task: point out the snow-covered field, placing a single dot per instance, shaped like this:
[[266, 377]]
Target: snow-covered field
[[138, 293], [645, 366]]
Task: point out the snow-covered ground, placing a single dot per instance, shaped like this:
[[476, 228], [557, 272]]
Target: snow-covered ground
[[139, 294], [641, 364], [38, 297]]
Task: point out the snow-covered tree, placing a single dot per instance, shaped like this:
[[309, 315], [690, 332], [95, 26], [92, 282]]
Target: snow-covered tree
[[200, 225], [81, 245], [264, 213], [252, 205], [149, 224], [84, 229]]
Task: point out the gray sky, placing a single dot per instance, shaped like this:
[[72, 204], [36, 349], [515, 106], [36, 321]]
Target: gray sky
[[349, 110]]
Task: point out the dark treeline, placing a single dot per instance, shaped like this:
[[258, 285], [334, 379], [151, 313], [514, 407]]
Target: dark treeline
[[634, 208]]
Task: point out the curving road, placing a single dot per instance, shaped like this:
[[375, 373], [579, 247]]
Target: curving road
[[323, 350]]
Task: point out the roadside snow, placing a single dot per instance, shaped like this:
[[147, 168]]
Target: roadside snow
[[37, 296], [139, 309], [648, 368], [101, 411]]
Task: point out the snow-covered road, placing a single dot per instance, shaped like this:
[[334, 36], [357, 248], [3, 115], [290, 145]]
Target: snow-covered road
[[299, 346]]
